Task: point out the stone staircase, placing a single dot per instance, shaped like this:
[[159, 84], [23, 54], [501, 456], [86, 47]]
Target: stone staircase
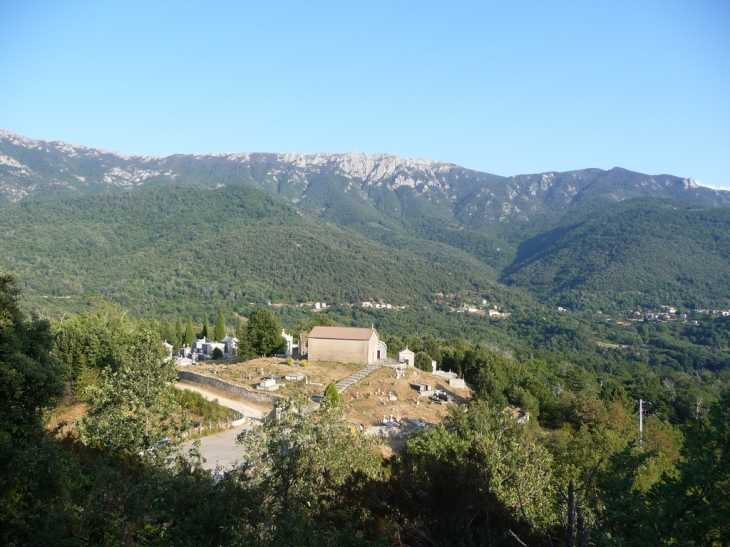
[[342, 385]]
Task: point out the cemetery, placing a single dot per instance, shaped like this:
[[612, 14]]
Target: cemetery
[[391, 399]]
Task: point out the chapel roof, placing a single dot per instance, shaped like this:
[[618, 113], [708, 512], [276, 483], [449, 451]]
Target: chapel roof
[[341, 333]]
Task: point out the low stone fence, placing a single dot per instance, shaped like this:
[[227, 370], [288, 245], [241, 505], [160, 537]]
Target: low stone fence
[[228, 387]]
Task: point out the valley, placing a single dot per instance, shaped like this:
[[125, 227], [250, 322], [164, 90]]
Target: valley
[[551, 302]]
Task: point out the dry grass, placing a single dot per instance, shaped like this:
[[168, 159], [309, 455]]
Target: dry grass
[[62, 417], [249, 373], [365, 402]]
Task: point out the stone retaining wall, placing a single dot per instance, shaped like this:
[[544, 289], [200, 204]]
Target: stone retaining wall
[[228, 387]]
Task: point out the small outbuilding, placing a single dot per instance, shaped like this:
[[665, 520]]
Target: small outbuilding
[[231, 346], [457, 383], [289, 341], [407, 356], [303, 345]]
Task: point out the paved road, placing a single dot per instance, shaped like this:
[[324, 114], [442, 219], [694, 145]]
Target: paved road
[[220, 451]]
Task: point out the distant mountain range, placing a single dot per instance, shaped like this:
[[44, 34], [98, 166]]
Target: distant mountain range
[[33, 168], [559, 235]]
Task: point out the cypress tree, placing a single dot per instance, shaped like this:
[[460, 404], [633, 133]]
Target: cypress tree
[[178, 332], [206, 328], [167, 332], [245, 351], [189, 335], [219, 333]]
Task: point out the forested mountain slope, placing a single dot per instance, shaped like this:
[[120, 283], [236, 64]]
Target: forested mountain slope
[[572, 237], [167, 250], [638, 251], [383, 183]]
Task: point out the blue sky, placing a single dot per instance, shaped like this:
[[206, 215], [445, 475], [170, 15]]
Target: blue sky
[[504, 87]]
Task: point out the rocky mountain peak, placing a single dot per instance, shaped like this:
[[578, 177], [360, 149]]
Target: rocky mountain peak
[[368, 167]]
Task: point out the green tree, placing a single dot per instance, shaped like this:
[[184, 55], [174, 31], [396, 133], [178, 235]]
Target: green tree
[[206, 333], [167, 332], [473, 479], [687, 506], [30, 383], [88, 342], [30, 380], [331, 394], [135, 406], [244, 351], [179, 332], [264, 332], [219, 333], [302, 464], [189, 334], [431, 346], [423, 361]]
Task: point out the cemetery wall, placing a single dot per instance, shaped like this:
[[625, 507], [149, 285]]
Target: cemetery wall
[[228, 387]]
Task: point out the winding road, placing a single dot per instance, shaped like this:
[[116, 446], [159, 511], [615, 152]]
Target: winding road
[[220, 451]]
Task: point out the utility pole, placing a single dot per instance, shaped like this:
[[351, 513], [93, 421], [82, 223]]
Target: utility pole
[[641, 421]]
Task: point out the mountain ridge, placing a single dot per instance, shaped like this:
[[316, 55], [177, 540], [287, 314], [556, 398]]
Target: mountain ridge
[[442, 213], [35, 168]]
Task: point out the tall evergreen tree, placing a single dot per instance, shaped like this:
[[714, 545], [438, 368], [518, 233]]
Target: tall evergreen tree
[[219, 333], [189, 335], [178, 332], [206, 328], [245, 351], [264, 332], [167, 331]]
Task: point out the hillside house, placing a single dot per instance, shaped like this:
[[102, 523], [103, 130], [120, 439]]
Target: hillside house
[[344, 344]]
